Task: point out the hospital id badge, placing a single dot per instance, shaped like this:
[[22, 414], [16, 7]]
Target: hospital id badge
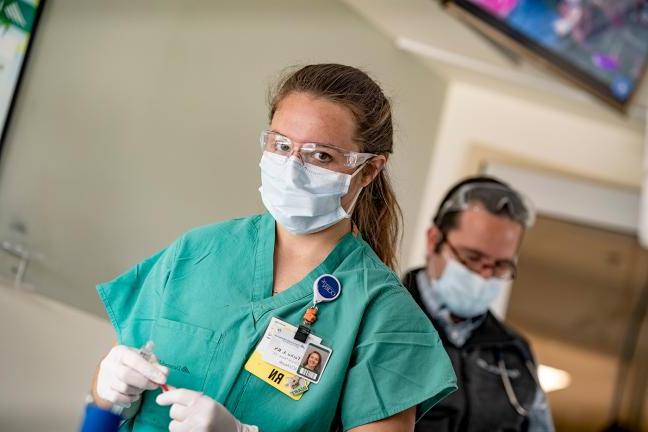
[[287, 382]]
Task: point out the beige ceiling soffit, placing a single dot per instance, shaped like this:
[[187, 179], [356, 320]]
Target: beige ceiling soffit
[[638, 111]]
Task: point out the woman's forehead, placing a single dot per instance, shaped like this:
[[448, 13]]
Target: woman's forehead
[[306, 118]]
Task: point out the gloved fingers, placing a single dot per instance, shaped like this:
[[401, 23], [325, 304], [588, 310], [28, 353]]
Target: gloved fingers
[[177, 426], [154, 372], [179, 412], [120, 399], [133, 378], [180, 396], [125, 389], [150, 385], [203, 405]]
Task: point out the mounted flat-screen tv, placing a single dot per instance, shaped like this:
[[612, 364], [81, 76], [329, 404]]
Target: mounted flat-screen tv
[[18, 20], [601, 45]]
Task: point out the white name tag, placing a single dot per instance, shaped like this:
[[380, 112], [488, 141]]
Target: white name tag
[[279, 347]]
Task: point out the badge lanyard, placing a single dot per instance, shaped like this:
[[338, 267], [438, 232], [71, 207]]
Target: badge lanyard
[[325, 289]]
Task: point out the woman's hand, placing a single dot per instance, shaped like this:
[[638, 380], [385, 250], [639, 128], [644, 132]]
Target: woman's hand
[[193, 411], [124, 374]]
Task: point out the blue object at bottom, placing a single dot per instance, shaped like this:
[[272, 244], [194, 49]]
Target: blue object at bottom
[[100, 420]]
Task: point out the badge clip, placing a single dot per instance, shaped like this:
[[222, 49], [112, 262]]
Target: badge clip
[[325, 289], [304, 329]]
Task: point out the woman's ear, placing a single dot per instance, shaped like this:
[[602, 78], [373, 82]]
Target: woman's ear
[[372, 169]]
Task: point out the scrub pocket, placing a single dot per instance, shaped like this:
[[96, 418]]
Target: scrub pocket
[[187, 350]]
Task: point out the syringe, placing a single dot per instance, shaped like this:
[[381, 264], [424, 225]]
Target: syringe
[[147, 353]]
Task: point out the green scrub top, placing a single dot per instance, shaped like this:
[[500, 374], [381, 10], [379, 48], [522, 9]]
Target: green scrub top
[[206, 301]]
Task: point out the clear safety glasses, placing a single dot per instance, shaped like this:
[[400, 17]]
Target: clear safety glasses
[[321, 155], [497, 199]]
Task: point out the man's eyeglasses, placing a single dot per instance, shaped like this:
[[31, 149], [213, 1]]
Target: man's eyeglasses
[[478, 262]]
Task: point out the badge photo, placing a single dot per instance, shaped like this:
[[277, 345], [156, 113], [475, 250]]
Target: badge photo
[[314, 362]]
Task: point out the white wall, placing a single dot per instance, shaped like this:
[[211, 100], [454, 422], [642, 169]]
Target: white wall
[[49, 352], [481, 125], [138, 120], [597, 204]]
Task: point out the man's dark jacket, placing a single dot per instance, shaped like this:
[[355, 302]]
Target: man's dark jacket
[[481, 402]]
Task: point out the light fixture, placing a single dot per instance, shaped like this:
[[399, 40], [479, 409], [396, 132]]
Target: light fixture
[[552, 379]]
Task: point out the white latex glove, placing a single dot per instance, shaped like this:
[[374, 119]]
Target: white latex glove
[[124, 374], [195, 412]]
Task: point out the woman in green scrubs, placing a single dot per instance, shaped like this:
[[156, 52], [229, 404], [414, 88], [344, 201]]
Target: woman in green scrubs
[[207, 300]]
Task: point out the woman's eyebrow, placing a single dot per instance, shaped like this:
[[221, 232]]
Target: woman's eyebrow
[[277, 132], [309, 142]]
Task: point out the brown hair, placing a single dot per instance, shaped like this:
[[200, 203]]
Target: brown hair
[[377, 213]]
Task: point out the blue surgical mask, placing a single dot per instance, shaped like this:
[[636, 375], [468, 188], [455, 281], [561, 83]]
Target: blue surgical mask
[[303, 198], [465, 293]]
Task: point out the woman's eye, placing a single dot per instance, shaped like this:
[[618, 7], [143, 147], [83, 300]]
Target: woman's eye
[[322, 157], [282, 146]]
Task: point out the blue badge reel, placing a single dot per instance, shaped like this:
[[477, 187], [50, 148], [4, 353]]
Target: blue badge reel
[[326, 288]]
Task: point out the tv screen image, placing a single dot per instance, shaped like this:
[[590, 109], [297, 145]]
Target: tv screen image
[[601, 44], [18, 20]]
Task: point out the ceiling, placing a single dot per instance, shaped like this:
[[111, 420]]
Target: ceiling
[[456, 52]]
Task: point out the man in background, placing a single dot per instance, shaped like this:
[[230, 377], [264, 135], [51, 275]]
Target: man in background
[[472, 249]]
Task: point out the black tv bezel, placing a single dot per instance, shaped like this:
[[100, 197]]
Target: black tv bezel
[[19, 81], [526, 46]]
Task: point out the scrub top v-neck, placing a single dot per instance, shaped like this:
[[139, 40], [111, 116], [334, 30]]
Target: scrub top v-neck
[[206, 301], [262, 299]]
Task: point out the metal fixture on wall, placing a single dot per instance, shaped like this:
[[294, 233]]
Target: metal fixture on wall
[[23, 255]]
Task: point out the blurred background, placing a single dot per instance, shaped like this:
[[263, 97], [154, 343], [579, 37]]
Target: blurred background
[[135, 121]]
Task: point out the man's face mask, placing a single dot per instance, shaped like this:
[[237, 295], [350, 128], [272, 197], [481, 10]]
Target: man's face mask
[[465, 293]]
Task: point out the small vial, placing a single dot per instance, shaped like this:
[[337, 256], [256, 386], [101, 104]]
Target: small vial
[[147, 353]]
